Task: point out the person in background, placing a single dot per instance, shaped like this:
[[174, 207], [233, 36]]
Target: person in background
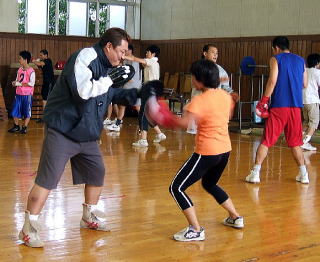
[[286, 81], [45, 64], [311, 100], [135, 82], [151, 72], [24, 84]]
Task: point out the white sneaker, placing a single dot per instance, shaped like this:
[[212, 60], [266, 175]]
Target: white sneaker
[[141, 143], [159, 137], [107, 121], [189, 234], [93, 219], [306, 139], [192, 131], [308, 146], [113, 127], [303, 178], [29, 234], [236, 223], [253, 177]]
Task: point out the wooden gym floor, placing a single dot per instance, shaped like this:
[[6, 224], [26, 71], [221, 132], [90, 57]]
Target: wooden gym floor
[[281, 215]]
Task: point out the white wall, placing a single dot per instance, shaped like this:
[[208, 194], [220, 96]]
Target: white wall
[[8, 16], [185, 19]]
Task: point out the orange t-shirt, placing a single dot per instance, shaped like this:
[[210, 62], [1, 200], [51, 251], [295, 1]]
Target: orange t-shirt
[[212, 110]]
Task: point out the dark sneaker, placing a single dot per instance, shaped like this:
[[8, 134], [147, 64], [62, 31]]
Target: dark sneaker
[[189, 234], [14, 129], [23, 130], [39, 121]]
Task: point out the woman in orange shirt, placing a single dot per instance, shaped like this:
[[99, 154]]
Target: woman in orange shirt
[[211, 111]]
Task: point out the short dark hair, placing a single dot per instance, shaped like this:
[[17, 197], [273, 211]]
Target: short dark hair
[[313, 60], [282, 42], [206, 72], [130, 47], [25, 55], [154, 50], [114, 35], [44, 51], [206, 48]]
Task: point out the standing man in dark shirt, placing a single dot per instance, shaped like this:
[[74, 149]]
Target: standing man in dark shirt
[[74, 120], [45, 64]]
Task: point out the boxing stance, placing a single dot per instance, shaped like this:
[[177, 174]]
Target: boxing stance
[[74, 120], [211, 111]]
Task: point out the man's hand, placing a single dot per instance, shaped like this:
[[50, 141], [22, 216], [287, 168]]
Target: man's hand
[[262, 107], [121, 75]]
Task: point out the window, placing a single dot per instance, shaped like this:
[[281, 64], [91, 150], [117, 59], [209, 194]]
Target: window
[[78, 17], [103, 18], [22, 16], [37, 16], [117, 16]]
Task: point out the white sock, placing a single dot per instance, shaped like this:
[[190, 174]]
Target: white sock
[[306, 139], [257, 168], [91, 207], [33, 217], [303, 169]]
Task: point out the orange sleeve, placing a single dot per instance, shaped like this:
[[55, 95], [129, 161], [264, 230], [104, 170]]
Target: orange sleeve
[[194, 106]]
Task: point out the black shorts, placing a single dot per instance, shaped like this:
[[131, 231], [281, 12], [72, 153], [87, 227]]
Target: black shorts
[[86, 161]]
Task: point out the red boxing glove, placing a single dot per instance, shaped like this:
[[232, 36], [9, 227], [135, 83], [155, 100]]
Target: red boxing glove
[[158, 113], [262, 107]]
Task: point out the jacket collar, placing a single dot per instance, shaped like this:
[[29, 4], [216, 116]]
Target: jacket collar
[[102, 57]]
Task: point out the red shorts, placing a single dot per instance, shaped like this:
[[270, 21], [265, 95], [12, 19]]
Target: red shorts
[[287, 119]]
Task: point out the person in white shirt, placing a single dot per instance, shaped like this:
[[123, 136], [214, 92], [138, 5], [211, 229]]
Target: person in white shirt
[[135, 82], [151, 72], [210, 52], [311, 100]]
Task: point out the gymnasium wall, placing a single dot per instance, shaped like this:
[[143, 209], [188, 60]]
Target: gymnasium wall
[[193, 19], [177, 55], [59, 48], [8, 16]]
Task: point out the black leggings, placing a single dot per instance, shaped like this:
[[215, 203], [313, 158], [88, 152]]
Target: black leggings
[[209, 168]]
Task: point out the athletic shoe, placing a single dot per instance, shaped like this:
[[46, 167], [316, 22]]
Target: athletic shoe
[[189, 234], [113, 134], [107, 121], [39, 120], [308, 146], [14, 129], [141, 143], [253, 177], [303, 178], [236, 223], [192, 131], [93, 219], [159, 137], [29, 233], [306, 139], [113, 127], [23, 130]]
